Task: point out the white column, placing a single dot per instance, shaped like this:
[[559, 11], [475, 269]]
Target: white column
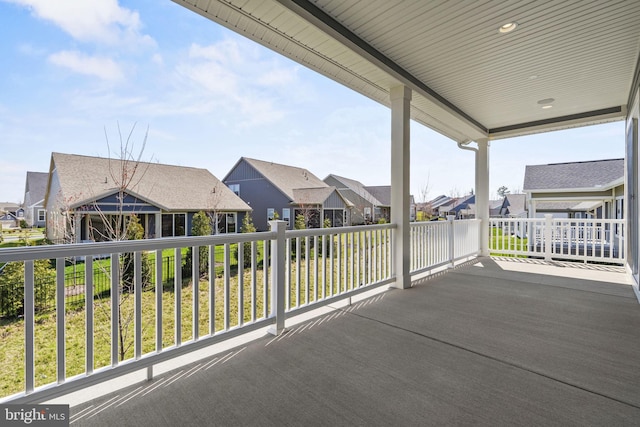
[[158, 225], [482, 193], [400, 148], [77, 225]]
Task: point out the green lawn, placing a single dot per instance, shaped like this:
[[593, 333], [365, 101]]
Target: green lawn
[[502, 242]]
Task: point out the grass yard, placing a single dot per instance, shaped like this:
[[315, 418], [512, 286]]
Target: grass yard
[[499, 242]]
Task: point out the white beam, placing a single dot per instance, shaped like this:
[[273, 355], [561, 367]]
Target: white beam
[[400, 155]]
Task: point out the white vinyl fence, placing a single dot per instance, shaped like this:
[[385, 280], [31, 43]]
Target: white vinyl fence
[[588, 240]]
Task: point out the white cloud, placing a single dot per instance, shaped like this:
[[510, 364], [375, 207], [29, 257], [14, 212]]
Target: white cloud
[[102, 67], [250, 83], [102, 21]]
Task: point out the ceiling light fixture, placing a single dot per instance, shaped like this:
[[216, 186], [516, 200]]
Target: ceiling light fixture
[[546, 107], [546, 101], [508, 27]]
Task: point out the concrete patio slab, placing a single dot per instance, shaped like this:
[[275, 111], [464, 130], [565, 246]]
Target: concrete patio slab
[[485, 344]]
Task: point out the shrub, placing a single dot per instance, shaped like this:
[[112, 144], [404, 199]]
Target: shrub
[[12, 287]]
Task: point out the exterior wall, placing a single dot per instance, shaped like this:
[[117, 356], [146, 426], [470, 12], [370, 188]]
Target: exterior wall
[[56, 221], [632, 184], [258, 193], [334, 201]]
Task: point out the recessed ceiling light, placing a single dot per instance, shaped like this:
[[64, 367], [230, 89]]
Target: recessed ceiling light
[[508, 27], [546, 107], [546, 101]]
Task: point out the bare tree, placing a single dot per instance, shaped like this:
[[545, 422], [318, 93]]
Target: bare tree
[[425, 206], [125, 171]]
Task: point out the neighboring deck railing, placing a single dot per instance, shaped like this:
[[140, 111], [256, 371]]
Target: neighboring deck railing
[[254, 280], [438, 243], [588, 240]]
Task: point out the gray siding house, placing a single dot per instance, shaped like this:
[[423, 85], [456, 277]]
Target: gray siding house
[[34, 191], [370, 203], [10, 215], [280, 191], [589, 189], [85, 195]]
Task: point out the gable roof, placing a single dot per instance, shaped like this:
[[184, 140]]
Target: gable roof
[[84, 179], [36, 185], [358, 188], [286, 178], [516, 203], [315, 196], [382, 193], [597, 174]]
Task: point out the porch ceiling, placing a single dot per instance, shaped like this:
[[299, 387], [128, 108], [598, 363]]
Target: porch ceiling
[[469, 80]]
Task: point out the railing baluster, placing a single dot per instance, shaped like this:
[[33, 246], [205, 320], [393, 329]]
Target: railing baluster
[[315, 268], [265, 271], [195, 288], [212, 289], [298, 273], [60, 321], [159, 286], [331, 264], [254, 281], [137, 275], [240, 283], [29, 327], [177, 283], [115, 307], [88, 312], [307, 272], [227, 286]]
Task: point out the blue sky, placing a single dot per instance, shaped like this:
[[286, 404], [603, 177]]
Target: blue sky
[[72, 71]]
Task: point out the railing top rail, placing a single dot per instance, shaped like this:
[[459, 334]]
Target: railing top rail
[[562, 220], [31, 253], [338, 230]]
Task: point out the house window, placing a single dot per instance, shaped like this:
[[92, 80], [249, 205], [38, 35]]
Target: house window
[[286, 216], [179, 225], [367, 214], [235, 188], [227, 223], [41, 215], [173, 225], [270, 214], [335, 217]]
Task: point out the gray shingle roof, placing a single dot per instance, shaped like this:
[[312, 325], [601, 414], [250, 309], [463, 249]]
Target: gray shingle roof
[[557, 176], [286, 178], [516, 203], [312, 196], [84, 179], [36, 185], [358, 188], [382, 193]]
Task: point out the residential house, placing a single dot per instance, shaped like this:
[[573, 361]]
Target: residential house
[[10, 215], [371, 203], [438, 202], [513, 206], [366, 208], [34, 191], [85, 196], [459, 207], [588, 189], [280, 191]]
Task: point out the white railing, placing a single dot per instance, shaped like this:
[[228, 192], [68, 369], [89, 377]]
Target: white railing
[[253, 280], [331, 262], [597, 240], [438, 243]]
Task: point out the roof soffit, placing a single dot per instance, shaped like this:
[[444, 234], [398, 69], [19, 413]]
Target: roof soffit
[[469, 81]]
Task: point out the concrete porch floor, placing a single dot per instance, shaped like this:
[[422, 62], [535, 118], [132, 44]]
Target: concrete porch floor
[[495, 342]]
